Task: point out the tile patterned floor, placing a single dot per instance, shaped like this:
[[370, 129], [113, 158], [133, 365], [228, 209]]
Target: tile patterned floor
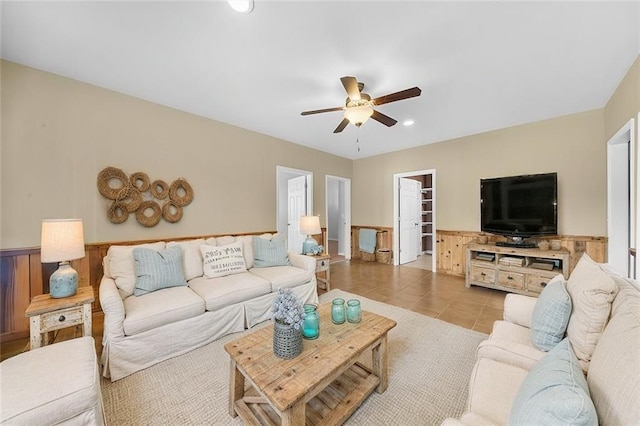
[[437, 295]]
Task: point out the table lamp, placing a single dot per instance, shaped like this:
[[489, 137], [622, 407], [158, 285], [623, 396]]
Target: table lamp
[[62, 241], [310, 225]]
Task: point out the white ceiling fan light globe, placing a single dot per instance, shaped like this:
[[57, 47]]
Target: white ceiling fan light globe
[[241, 6], [358, 115]]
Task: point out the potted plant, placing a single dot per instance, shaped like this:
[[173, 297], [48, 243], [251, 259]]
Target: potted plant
[[288, 314]]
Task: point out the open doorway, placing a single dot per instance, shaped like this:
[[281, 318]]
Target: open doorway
[[621, 200], [414, 206], [294, 193], [338, 214]]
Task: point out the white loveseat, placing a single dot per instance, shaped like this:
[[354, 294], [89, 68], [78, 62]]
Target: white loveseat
[[513, 377], [140, 331]]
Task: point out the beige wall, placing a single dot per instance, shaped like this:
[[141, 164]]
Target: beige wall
[[82, 128], [57, 134], [624, 103], [572, 146]]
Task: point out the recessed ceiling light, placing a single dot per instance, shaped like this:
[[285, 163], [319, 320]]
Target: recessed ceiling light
[[408, 122], [241, 6]]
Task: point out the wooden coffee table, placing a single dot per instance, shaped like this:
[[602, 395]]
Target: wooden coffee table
[[325, 383]]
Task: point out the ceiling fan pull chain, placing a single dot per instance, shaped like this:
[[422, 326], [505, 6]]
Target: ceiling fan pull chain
[[358, 139]]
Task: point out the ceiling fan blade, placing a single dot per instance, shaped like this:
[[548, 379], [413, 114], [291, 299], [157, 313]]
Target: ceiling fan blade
[[384, 119], [351, 86], [398, 96], [318, 111], [341, 126]]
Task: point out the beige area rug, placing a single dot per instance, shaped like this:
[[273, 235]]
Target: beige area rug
[[430, 362]]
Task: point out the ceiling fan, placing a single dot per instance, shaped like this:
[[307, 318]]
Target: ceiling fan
[[359, 105]]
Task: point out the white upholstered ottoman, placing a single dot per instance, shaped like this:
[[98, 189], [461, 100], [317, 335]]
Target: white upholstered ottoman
[[55, 384]]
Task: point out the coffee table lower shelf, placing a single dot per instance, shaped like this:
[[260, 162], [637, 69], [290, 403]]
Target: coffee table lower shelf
[[332, 406]]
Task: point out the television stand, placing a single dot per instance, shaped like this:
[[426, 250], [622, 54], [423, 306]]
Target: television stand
[[516, 244], [523, 271]]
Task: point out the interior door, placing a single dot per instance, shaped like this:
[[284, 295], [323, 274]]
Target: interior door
[[296, 193], [409, 220]]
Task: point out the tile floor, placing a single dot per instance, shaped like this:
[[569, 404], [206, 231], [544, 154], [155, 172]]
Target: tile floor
[[437, 295]]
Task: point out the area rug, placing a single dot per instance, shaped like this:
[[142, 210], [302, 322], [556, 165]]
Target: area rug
[[430, 362]]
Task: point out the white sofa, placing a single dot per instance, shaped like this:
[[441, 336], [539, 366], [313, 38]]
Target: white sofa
[[140, 331], [509, 365]]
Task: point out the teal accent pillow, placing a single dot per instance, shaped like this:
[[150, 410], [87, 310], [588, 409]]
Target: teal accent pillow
[[550, 315], [554, 392], [271, 252], [156, 269]]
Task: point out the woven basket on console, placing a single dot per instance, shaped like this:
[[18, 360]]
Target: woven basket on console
[[367, 257], [383, 256], [287, 341]]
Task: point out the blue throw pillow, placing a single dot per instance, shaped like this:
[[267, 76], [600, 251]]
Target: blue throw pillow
[[554, 392], [157, 269], [550, 315], [271, 252]]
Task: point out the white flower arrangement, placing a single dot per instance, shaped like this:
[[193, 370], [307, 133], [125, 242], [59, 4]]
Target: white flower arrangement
[[288, 309]]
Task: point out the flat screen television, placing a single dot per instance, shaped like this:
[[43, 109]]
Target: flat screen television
[[519, 207]]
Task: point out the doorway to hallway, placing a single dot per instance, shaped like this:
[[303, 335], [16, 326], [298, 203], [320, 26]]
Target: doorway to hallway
[[414, 218], [294, 193], [338, 213]]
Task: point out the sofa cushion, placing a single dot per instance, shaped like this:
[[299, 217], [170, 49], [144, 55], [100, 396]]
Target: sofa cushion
[[550, 316], [492, 387], [247, 249], [283, 276], [225, 291], [55, 384], [225, 240], [554, 392], [271, 252], [191, 257], [157, 269], [615, 367], [161, 307], [591, 290], [122, 266], [505, 330], [220, 261]]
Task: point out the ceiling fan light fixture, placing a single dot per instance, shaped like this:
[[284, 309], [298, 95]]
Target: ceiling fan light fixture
[[358, 115], [241, 6]]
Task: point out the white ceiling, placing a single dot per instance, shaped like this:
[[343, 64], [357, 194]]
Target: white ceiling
[[480, 65]]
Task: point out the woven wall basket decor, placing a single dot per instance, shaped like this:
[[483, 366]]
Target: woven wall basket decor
[[149, 201]]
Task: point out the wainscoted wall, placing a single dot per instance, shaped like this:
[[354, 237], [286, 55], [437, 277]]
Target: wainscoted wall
[[23, 276], [451, 256]]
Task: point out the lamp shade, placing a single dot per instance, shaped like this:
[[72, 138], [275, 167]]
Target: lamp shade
[[310, 225], [62, 240]]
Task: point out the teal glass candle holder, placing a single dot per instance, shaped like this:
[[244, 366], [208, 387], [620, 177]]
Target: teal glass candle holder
[[311, 322], [338, 313], [354, 313]]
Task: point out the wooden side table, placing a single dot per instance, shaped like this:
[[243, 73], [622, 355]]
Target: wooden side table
[[322, 265], [47, 314]]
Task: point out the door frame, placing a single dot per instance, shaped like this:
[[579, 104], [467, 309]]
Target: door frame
[[624, 136], [347, 212], [283, 174], [396, 213]]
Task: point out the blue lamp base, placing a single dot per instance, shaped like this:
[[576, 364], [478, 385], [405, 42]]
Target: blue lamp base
[[63, 282], [309, 246]]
